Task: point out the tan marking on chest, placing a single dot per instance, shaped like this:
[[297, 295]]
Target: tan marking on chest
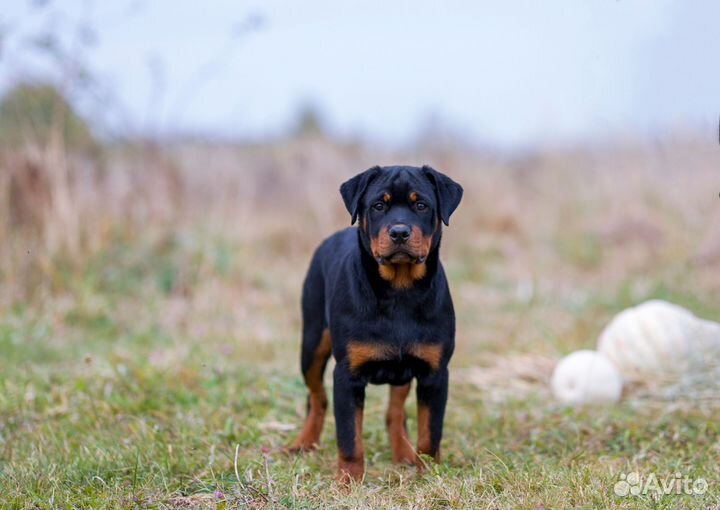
[[429, 353], [359, 353], [402, 276]]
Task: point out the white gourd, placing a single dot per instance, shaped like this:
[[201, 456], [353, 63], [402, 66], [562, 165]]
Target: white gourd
[[586, 377], [657, 340]]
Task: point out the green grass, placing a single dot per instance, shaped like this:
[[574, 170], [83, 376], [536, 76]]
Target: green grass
[[133, 382]]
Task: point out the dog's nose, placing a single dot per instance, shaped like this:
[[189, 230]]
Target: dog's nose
[[399, 233]]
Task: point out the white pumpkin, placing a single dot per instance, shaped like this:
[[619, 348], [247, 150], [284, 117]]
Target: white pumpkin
[[657, 340], [586, 377]]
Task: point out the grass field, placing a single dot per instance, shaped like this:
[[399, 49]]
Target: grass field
[[141, 353]]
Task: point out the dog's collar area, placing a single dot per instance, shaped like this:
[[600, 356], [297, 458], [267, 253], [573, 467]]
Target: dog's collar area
[[402, 276], [384, 261]]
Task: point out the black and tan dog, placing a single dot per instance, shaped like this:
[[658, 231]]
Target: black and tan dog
[[376, 297]]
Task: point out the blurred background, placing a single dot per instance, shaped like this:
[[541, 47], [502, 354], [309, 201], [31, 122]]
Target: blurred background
[[167, 168], [512, 75]]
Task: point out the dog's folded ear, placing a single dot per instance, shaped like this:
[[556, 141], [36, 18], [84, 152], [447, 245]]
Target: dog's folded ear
[[448, 192], [353, 190]]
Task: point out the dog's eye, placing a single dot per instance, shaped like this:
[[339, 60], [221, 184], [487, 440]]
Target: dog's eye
[[421, 206], [379, 206]]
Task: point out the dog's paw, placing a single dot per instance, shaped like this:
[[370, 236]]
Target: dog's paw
[[300, 447]]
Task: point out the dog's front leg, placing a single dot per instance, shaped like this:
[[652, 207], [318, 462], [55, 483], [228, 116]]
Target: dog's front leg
[[432, 393], [348, 402]]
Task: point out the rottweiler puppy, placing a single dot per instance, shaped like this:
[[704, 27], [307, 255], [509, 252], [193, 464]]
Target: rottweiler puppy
[[376, 298]]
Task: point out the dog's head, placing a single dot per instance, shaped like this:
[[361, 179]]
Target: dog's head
[[400, 210]]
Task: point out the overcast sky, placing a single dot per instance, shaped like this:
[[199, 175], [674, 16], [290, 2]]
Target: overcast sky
[[508, 73]]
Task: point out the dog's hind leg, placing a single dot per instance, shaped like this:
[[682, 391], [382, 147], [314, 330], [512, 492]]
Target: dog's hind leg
[[400, 446], [315, 352]]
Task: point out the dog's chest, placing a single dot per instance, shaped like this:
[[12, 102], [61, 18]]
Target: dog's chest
[[383, 363]]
